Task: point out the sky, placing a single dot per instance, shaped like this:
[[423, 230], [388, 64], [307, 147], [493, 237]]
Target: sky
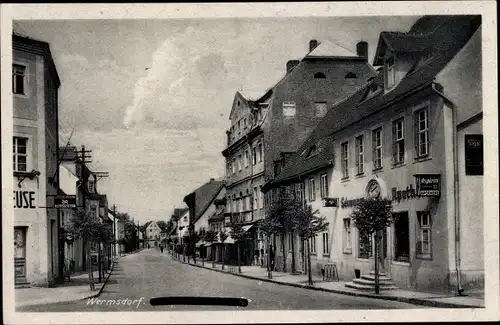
[[151, 98]]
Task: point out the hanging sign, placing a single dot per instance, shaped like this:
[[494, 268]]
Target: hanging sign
[[428, 185], [330, 202], [65, 201]]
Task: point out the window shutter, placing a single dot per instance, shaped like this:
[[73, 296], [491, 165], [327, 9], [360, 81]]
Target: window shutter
[[394, 142]]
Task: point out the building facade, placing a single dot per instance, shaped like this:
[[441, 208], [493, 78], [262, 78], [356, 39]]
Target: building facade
[[152, 234], [35, 84], [266, 129], [416, 138]]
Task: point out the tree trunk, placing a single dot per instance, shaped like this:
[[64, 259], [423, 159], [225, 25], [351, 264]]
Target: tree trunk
[[202, 256], [269, 266], [239, 263], [284, 251], [293, 253], [377, 288], [90, 269], [222, 256], [309, 268]]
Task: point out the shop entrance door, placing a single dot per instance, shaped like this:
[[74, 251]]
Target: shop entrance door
[[20, 254]]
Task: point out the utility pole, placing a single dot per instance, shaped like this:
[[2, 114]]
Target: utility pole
[[114, 230], [81, 158]]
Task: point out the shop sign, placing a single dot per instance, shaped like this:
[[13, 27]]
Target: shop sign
[[330, 202], [345, 203], [428, 184], [24, 200], [67, 201], [406, 194]]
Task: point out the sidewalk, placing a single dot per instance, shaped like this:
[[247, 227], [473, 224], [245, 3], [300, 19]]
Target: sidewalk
[[413, 297], [77, 289]]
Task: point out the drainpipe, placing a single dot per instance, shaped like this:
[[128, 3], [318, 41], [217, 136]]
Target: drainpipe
[[460, 290]]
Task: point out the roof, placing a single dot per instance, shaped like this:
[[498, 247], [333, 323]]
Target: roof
[[251, 95], [219, 213], [329, 49], [353, 109], [204, 196]]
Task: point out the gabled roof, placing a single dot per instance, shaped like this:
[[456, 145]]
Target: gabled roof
[[448, 40], [328, 49], [204, 196]]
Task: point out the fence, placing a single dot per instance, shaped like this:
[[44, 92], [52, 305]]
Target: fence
[[330, 272]]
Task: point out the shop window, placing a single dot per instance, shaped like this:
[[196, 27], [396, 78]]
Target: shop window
[[474, 154], [347, 236], [424, 239], [401, 237], [312, 243], [364, 246], [398, 144], [360, 156]]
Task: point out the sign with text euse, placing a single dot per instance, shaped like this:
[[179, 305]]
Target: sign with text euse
[[428, 184]]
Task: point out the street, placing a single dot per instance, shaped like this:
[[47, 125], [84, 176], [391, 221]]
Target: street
[[149, 274]]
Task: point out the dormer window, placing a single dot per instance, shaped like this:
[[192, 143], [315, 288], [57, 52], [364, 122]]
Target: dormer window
[[350, 75], [390, 73], [312, 152], [319, 75]]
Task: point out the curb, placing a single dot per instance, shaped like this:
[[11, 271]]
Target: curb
[[413, 301], [103, 285]]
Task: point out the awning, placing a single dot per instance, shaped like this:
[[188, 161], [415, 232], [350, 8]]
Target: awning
[[247, 227]]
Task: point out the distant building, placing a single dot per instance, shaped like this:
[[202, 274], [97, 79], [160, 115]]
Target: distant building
[[152, 234], [412, 134], [35, 84], [266, 128]]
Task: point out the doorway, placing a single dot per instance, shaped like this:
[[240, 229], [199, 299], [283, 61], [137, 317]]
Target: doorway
[[401, 237], [20, 254]]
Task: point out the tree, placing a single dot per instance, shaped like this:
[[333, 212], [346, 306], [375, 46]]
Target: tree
[[373, 215], [162, 224], [239, 235], [285, 210], [201, 236], [91, 230], [309, 225], [211, 237], [269, 227], [223, 236]]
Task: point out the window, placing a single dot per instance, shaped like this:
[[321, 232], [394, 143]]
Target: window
[[398, 138], [239, 125], [20, 154], [18, 79], [312, 244], [344, 155], [261, 198], [242, 204], [93, 211], [91, 186], [312, 190], [326, 245], [320, 109], [245, 123], [390, 73], [377, 148], [421, 120], [247, 158], [364, 246], [254, 155], [401, 237], [360, 156], [289, 109], [290, 241], [324, 185], [261, 152], [255, 198], [424, 247], [350, 75], [347, 236], [474, 154], [239, 162], [319, 75]]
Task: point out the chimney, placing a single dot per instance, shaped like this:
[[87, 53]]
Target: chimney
[[312, 44], [362, 50], [291, 64]]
